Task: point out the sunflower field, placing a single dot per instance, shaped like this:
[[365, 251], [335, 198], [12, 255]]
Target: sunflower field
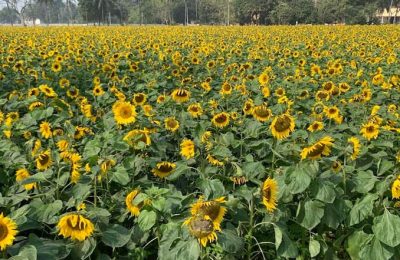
[[200, 142]]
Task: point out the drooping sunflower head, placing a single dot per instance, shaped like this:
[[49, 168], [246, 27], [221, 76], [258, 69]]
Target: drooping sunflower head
[[164, 169], [45, 130], [211, 208], [396, 189], [22, 174], [248, 107], [180, 95], [44, 161], [262, 113], [139, 99], [8, 230], [282, 126], [269, 194], [203, 228], [35, 105], [355, 142], [220, 120], [137, 138], [370, 130], [187, 149], [75, 226], [48, 91], [171, 124], [124, 112], [134, 208], [315, 151]]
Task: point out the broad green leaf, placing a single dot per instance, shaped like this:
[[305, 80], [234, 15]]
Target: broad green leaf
[[365, 181], [310, 216], [116, 236], [314, 247], [387, 228], [376, 250], [356, 242], [298, 179], [362, 209], [147, 219], [230, 241], [285, 247], [120, 175]]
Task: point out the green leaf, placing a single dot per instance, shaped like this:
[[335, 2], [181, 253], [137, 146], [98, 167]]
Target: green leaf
[[311, 214], [285, 247], [299, 180], [385, 166], [189, 250], [325, 192], [387, 229], [38, 177], [365, 181], [116, 236], [376, 250], [92, 149], [314, 247], [47, 213], [49, 249], [28, 252], [362, 209], [230, 241], [120, 175], [147, 219], [84, 249], [356, 242]]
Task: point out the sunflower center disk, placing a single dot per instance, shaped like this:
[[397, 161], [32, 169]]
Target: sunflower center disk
[[3, 231], [282, 124]]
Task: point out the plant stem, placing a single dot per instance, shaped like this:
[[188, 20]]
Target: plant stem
[[250, 233]]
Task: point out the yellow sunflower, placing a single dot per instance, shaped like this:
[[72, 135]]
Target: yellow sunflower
[[139, 99], [44, 161], [98, 91], [75, 226], [35, 105], [220, 120], [269, 194], [22, 174], [195, 110], [203, 228], [396, 189], [248, 107], [124, 112], [356, 147], [48, 91], [180, 95], [187, 149], [133, 208], [211, 208], [8, 230], [45, 130], [263, 79], [282, 126], [135, 137], [262, 113], [171, 124], [332, 112], [56, 67], [315, 151], [164, 169], [370, 130], [316, 126], [336, 166]]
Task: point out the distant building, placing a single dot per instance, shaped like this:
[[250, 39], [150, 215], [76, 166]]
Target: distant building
[[33, 22], [389, 16]]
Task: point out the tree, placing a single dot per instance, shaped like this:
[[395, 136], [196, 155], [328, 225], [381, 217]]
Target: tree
[[19, 7]]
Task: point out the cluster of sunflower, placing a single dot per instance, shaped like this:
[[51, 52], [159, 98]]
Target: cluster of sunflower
[[208, 142]]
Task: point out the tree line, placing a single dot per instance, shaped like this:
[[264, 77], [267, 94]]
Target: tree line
[[258, 12]]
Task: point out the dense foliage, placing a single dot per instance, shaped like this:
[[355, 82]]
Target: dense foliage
[[202, 142]]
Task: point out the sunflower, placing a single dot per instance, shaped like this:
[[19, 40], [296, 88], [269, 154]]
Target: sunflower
[[22, 174], [56, 67], [187, 149], [211, 208], [396, 189], [35, 105], [75, 226], [280, 92], [269, 194], [124, 112], [212, 160], [134, 209], [171, 124], [202, 228], [43, 161], [262, 113], [139, 99], [8, 230], [180, 95], [282, 126], [356, 147], [73, 92], [161, 99], [315, 151], [135, 137], [370, 130], [248, 107], [195, 110], [164, 169], [266, 91], [206, 86], [98, 91], [315, 126], [336, 166], [45, 130], [263, 79], [48, 91], [226, 89], [205, 137], [220, 120], [332, 112]]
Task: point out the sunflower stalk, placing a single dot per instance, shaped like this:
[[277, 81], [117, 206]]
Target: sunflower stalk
[[249, 236]]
